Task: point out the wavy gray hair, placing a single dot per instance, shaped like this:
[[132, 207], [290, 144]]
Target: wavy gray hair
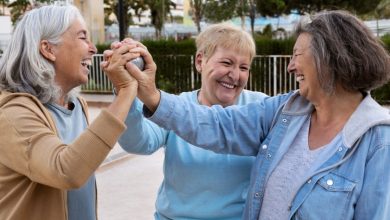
[[22, 67], [346, 52]]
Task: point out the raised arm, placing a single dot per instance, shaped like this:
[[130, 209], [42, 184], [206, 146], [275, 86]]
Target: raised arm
[[141, 136]]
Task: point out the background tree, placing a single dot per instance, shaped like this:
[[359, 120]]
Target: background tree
[[216, 11], [271, 8], [242, 11], [382, 11], [252, 15], [112, 6], [3, 4], [197, 8], [357, 6], [138, 7], [159, 9], [19, 7]]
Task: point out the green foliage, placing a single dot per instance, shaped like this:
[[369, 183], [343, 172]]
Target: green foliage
[[357, 6], [382, 94], [266, 46], [102, 47], [271, 7], [159, 9], [169, 47], [19, 7], [3, 4], [216, 11]]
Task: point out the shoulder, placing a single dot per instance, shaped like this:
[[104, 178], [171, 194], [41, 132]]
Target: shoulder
[[248, 96], [189, 96], [24, 110], [20, 101]]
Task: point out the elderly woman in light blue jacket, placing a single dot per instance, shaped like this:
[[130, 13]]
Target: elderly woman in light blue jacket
[[193, 175], [323, 152]]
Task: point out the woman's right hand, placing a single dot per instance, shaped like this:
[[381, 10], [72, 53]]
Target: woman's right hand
[[114, 66], [147, 90]]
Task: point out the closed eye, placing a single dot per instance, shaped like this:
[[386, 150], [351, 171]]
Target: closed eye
[[244, 68]]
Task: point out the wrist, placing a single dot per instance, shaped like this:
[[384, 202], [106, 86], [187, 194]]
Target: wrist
[[152, 100]]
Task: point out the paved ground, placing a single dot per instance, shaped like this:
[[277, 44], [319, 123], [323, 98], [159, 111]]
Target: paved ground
[[127, 187], [127, 184]]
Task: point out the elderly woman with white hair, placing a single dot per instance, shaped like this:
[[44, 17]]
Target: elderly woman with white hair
[[48, 149]]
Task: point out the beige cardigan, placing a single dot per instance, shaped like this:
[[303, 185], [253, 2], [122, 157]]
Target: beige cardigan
[[36, 168]]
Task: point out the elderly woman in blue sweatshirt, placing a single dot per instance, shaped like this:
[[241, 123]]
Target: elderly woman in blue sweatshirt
[[200, 184], [322, 152]]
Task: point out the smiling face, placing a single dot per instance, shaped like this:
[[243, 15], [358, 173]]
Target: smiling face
[[72, 56], [303, 66], [224, 76]]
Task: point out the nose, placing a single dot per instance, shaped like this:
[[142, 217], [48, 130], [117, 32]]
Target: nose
[[92, 48], [234, 73], [291, 66]]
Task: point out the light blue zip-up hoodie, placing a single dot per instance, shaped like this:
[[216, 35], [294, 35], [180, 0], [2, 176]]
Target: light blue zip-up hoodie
[[354, 183], [198, 183]]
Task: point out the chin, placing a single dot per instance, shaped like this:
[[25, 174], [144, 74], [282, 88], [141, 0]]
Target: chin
[[227, 102]]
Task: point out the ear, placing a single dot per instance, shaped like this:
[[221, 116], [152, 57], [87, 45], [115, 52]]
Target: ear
[[198, 61], [46, 50]]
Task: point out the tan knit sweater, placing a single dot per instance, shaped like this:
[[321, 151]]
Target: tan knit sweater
[[36, 168]]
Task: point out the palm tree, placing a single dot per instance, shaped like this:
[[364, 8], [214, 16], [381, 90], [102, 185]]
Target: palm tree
[[3, 4]]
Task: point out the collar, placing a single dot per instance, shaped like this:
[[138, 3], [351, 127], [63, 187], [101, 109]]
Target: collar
[[367, 115]]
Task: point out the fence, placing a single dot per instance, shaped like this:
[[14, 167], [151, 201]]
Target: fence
[[177, 73]]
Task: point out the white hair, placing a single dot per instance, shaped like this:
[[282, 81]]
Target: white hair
[[22, 67]]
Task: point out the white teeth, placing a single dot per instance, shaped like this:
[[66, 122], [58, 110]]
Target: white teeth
[[300, 78], [86, 62], [230, 86]]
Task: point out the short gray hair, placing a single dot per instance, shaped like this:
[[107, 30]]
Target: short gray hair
[[22, 67], [345, 52]]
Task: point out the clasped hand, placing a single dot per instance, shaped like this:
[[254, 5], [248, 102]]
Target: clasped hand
[[117, 61]]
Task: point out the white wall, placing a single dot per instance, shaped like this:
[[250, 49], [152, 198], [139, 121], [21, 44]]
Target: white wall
[[5, 31]]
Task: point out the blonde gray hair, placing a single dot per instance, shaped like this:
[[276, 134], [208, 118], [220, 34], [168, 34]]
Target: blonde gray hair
[[226, 36]]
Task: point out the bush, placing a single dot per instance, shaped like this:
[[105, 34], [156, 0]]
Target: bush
[[267, 46], [382, 94], [171, 47], [102, 47]]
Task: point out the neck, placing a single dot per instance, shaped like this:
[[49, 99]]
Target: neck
[[202, 99], [337, 107], [330, 115], [63, 100]]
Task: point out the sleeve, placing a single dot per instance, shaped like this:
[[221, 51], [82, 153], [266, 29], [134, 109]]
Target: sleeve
[[31, 147], [234, 129], [141, 136], [374, 199]]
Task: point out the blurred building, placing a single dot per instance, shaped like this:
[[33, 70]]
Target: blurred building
[[93, 13], [5, 31]]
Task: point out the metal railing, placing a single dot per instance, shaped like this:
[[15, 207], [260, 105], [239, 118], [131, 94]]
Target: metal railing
[[177, 73]]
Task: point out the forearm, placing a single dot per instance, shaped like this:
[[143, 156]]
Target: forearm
[[44, 158], [122, 102], [141, 136]]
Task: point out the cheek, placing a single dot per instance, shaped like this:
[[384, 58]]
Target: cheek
[[244, 76]]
